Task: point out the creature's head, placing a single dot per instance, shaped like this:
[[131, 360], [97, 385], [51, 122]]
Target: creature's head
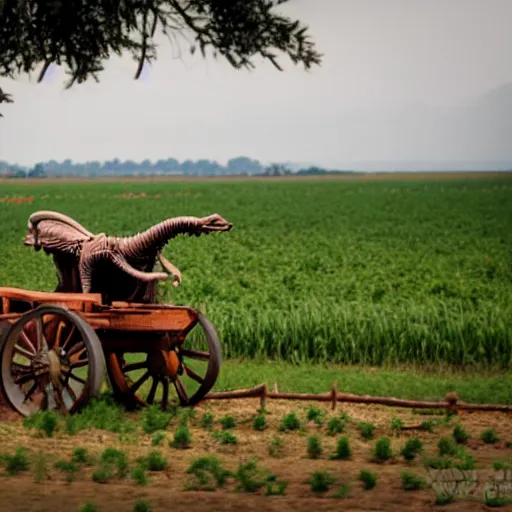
[[54, 232]]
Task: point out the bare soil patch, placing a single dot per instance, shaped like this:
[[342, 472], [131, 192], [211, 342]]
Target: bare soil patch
[[165, 490]]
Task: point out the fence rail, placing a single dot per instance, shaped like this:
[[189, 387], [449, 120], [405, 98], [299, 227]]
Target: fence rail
[[451, 401]]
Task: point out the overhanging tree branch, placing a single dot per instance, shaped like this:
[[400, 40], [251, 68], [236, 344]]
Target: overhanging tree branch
[[81, 35]]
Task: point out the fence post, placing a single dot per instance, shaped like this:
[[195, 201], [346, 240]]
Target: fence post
[[334, 394], [263, 398], [451, 399]]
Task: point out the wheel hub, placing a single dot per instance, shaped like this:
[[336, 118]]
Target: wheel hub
[[163, 363], [54, 365]]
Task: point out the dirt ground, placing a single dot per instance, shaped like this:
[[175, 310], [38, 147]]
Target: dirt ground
[[165, 490]]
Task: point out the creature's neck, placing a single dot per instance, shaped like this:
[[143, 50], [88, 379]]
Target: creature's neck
[[153, 239]]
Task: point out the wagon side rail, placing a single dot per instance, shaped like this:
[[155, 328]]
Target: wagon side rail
[[14, 301]]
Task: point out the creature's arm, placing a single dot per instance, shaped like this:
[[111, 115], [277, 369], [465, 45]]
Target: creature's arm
[[170, 268]]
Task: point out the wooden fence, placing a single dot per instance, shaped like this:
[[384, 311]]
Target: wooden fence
[[451, 401]]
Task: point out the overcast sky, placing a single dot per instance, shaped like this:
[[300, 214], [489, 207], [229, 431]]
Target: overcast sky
[[396, 73]]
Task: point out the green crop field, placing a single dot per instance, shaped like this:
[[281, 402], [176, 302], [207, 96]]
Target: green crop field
[[359, 272]]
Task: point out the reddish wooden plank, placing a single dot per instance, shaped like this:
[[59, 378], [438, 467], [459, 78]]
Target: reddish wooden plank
[[49, 297], [166, 319]]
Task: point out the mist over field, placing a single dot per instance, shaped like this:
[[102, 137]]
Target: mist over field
[[404, 85]]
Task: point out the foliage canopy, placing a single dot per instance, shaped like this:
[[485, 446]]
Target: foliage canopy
[[81, 34]]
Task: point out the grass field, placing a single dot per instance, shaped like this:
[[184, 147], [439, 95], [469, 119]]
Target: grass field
[[358, 272], [390, 287]]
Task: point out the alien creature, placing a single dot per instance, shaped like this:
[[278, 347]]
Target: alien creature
[[120, 268]]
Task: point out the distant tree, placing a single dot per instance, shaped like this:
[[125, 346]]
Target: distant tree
[[81, 35], [243, 165], [276, 170], [37, 172]]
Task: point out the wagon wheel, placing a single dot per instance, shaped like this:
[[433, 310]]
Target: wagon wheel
[[50, 359], [142, 379]]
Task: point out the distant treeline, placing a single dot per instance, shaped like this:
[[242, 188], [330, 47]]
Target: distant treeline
[[236, 166]]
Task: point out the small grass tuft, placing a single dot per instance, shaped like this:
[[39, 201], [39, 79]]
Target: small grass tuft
[[88, 507], [343, 491], [207, 473], [276, 447], [207, 420], [444, 499], [250, 477], [314, 447], [335, 426], [447, 446], [382, 450], [489, 436], [142, 506], [182, 438], [500, 464], [227, 422], [81, 456], [397, 425], [343, 451], [225, 438], [153, 418], [158, 439], [321, 482], [460, 435], [155, 461], [412, 448], [290, 422], [366, 430], [259, 423], [139, 474], [411, 482], [315, 414], [45, 421], [18, 462], [368, 478]]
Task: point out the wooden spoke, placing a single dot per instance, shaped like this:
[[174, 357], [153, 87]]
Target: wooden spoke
[[69, 389], [42, 344], [58, 335], [182, 393], [57, 395], [31, 391], [138, 384], [27, 377], [17, 368], [78, 379], [26, 341], [23, 352], [195, 354], [51, 325], [165, 394], [192, 374], [135, 366], [79, 364], [78, 347], [152, 391], [70, 336], [77, 354]]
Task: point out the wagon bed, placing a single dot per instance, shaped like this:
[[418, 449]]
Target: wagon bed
[[57, 346]]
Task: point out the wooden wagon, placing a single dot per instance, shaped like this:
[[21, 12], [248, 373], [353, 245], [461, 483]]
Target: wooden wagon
[[55, 348], [103, 319]]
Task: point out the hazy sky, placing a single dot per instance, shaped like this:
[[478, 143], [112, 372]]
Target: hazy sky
[[401, 79]]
